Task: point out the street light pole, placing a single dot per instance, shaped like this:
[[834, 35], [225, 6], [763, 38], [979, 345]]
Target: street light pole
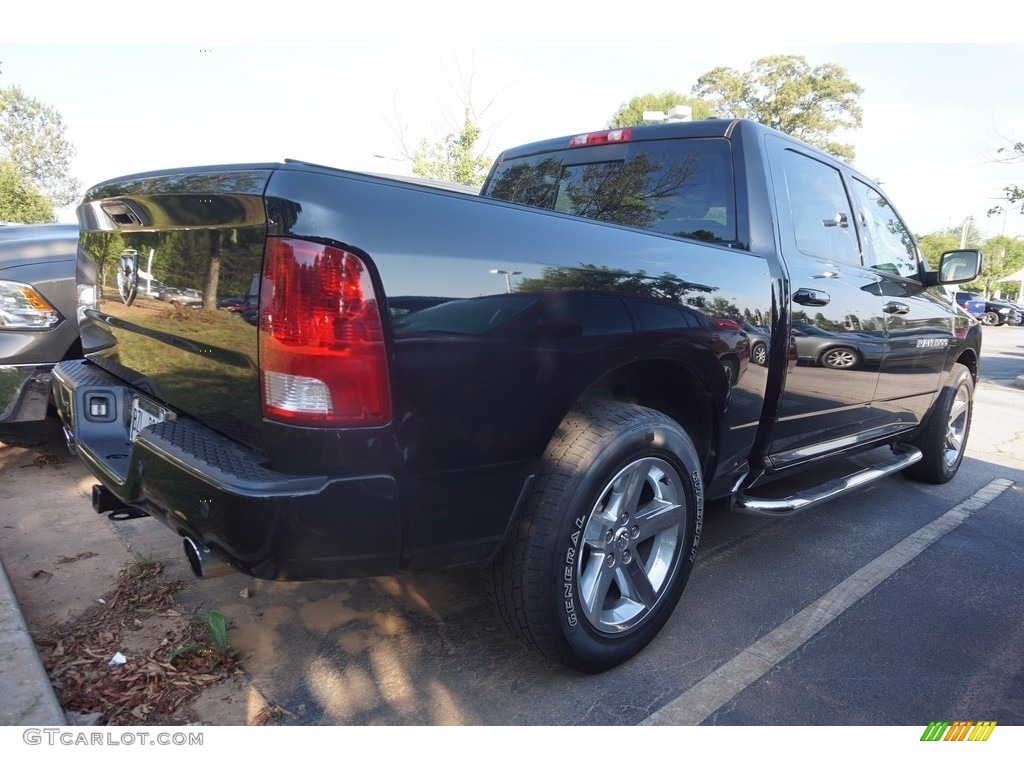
[[507, 274], [964, 230]]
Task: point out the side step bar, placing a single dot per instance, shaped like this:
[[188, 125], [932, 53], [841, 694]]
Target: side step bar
[[829, 490]]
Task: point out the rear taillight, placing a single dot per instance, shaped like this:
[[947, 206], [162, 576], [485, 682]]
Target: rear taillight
[[323, 361]]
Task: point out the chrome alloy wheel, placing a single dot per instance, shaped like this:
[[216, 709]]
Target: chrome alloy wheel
[[631, 545], [957, 425], [840, 357]]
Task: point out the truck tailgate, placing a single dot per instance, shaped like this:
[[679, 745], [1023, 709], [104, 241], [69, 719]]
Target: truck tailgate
[[177, 257]]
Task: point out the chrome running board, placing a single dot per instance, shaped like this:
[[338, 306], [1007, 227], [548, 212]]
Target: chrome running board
[[829, 490]]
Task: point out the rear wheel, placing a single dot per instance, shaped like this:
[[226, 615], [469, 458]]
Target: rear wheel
[[840, 358], [944, 438], [759, 354], [605, 545], [990, 318]]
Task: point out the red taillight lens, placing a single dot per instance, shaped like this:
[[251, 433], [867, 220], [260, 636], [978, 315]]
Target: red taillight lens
[[322, 356], [614, 136]]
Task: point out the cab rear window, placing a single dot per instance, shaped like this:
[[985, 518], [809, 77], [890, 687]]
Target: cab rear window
[[678, 187]]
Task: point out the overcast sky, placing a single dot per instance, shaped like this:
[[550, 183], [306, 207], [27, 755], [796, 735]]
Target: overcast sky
[[934, 112]]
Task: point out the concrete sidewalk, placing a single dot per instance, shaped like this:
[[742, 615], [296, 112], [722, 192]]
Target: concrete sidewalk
[[26, 696]]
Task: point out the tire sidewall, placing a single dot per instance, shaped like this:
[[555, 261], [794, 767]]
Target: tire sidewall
[[961, 377], [759, 354], [589, 648]]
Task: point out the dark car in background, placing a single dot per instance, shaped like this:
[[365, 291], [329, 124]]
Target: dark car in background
[[989, 311], [38, 305]]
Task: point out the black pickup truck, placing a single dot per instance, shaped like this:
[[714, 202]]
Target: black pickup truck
[[548, 378]]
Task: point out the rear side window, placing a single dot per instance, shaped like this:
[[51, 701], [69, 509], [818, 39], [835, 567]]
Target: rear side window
[[680, 187]]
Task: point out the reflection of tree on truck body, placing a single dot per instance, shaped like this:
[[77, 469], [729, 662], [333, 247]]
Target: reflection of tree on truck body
[[590, 277]]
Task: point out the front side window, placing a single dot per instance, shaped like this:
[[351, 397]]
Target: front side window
[[681, 187], [888, 246]]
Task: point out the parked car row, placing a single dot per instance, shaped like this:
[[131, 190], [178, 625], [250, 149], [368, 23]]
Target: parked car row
[[184, 297], [990, 311]]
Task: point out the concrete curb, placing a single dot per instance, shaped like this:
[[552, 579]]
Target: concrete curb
[[26, 695]]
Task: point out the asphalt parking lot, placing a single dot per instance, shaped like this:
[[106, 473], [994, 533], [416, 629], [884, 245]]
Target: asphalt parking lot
[[897, 605]]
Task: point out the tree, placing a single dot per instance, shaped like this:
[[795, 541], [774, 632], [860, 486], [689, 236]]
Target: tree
[[455, 157], [934, 244], [1003, 256], [32, 139], [786, 93], [632, 113], [20, 201], [1014, 192]]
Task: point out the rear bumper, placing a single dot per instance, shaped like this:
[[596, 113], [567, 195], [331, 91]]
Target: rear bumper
[[200, 484]]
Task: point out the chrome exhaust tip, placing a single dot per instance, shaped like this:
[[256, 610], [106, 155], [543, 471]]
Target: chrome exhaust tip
[[69, 440], [203, 563]]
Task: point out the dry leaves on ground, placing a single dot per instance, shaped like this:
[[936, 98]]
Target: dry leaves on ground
[[169, 656]]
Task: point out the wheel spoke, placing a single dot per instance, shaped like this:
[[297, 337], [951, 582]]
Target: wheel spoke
[[659, 515], [634, 583], [625, 492], [959, 409], [595, 581]]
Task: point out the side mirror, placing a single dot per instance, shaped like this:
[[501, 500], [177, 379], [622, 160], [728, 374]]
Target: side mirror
[[957, 267]]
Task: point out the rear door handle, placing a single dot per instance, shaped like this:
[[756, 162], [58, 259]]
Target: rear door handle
[[896, 308]]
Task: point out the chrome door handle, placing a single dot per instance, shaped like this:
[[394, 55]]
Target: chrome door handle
[[810, 297]]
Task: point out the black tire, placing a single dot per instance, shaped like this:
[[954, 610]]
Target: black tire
[[731, 369], [759, 354], [943, 438], [604, 547], [990, 318]]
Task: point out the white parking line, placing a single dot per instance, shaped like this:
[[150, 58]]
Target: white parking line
[[694, 705]]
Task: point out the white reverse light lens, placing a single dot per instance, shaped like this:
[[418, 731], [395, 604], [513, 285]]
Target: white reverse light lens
[[299, 394], [86, 300]]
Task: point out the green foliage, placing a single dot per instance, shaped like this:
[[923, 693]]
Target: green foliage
[[32, 139], [1002, 256], [217, 626], [219, 633], [812, 103], [454, 158], [632, 113], [19, 201], [934, 244], [1014, 192], [105, 248], [145, 561], [591, 277]]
